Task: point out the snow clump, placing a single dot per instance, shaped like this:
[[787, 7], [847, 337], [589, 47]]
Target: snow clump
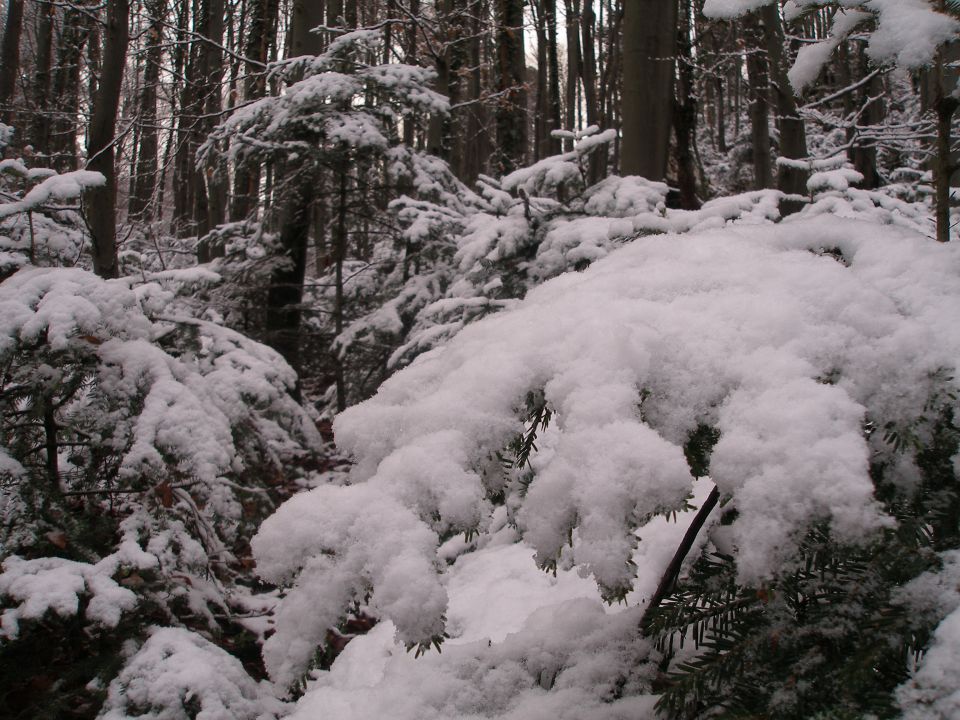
[[788, 339]]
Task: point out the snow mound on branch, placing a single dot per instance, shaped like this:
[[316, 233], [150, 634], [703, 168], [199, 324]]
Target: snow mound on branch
[[567, 660], [727, 9], [178, 675], [524, 644], [933, 693], [785, 338], [53, 584], [908, 31], [68, 186], [811, 58]]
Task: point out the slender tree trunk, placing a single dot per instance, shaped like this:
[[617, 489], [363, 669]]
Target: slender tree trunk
[[873, 111], [100, 202], [944, 168], [477, 137], [573, 66], [410, 58], [649, 38], [759, 107], [66, 89], [262, 35], [145, 179], [285, 295], [438, 130], [211, 196], [553, 77], [541, 121], [610, 100], [334, 13], [685, 114], [944, 105], [43, 66], [511, 71], [793, 136], [339, 255], [589, 75], [184, 160], [10, 60]]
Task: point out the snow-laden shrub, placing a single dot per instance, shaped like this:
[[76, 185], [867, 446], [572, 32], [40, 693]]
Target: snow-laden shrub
[[110, 400], [791, 342], [178, 675], [139, 450], [40, 219]]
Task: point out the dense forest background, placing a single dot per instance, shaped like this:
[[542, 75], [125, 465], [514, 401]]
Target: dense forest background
[[158, 98], [223, 222]]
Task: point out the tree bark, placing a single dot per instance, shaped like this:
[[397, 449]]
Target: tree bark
[[553, 145], [649, 37], [477, 139], [43, 65], [873, 111], [10, 60], [588, 73], [261, 36], [100, 203], [145, 179], [685, 114], [210, 194], [541, 121], [285, 295], [793, 136], [759, 106], [511, 87], [573, 67], [66, 89]]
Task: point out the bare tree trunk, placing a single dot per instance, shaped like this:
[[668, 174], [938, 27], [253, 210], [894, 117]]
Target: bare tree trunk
[[209, 187], [183, 171], [66, 89], [541, 122], [145, 179], [793, 136], [511, 71], [334, 13], [100, 202], [339, 255], [649, 38], [477, 135], [685, 114], [285, 295], [610, 100], [261, 36], [10, 60], [43, 62], [446, 83], [759, 107], [944, 105], [873, 111], [555, 121], [573, 66], [589, 74]]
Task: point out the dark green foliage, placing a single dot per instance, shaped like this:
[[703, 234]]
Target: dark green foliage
[[698, 448], [826, 638], [59, 670]]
